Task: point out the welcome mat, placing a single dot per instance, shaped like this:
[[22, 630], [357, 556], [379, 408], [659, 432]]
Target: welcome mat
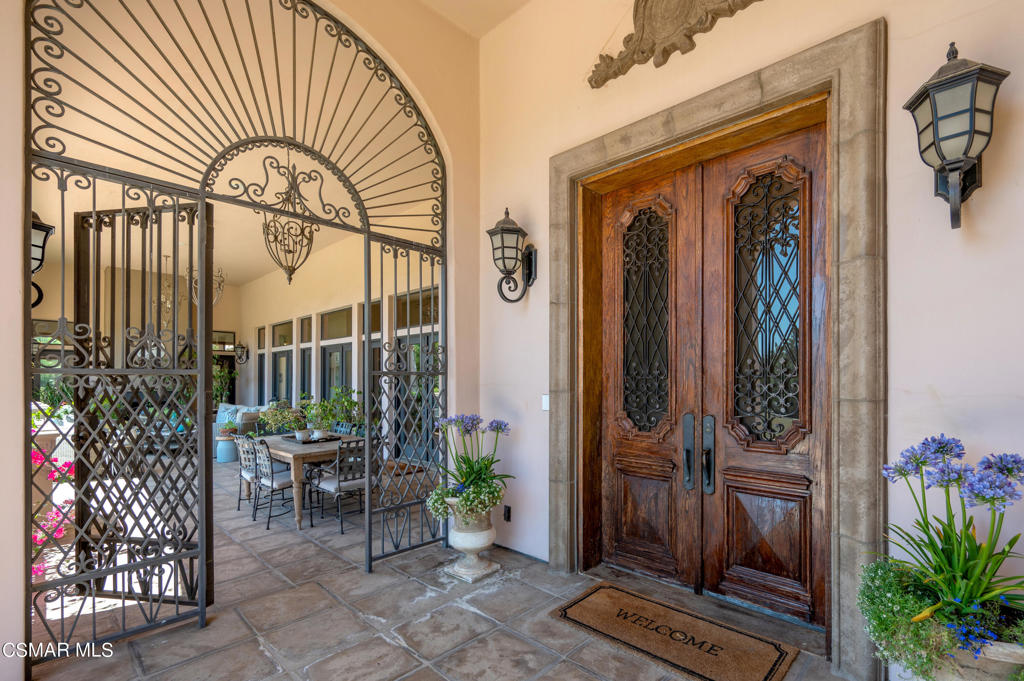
[[681, 640]]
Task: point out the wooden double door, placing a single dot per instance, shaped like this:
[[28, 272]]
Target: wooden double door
[[716, 380]]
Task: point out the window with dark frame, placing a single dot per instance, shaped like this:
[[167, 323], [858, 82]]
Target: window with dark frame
[[261, 376], [417, 308], [336, 324], [281, 335], [281, 387], [335, 367], [305, 373], [223, 341]]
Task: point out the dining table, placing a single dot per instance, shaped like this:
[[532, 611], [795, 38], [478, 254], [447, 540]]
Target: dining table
[[287, 449]]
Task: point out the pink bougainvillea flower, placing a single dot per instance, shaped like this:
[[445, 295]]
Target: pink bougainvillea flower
[[38, 458], [59, 532], [38, 570], [38, 539]]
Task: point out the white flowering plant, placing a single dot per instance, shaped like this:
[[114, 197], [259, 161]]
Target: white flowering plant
[[472, 479]]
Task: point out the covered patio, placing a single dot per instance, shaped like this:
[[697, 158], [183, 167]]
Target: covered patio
[[511, 340], [296, 604]]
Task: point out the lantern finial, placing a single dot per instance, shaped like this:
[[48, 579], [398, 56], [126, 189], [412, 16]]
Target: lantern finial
[[952, 52]]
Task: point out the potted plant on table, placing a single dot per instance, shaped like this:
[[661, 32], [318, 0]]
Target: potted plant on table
[[280, 417], [229, 428], [322, 416], [944, 612], [474, 489]]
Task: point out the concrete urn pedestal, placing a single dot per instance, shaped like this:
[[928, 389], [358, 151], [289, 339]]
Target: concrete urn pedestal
[[471, 535], [996, 663]]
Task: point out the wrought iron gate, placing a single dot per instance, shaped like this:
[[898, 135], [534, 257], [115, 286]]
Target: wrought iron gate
[[119, 479], [407, 394], [192, 103]]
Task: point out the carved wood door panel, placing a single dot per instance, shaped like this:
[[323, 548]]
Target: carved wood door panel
[[651, 509], [715, 404], [766, 384]]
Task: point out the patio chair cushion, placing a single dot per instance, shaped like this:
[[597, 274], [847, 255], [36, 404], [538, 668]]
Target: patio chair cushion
[[330, 484], [247, 474], [279, 482]]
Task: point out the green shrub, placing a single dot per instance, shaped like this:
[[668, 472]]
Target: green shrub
[[890, 597]]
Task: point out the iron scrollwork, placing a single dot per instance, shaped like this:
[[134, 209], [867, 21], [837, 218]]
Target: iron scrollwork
[[768, 212], [645, 318]]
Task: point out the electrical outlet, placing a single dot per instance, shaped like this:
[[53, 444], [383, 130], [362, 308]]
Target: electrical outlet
[[508, 514]]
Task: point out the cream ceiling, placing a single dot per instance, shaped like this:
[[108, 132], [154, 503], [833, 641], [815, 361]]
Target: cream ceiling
[[475, 17]]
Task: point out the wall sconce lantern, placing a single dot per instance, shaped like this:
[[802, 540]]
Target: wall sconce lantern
[[953, 113], [509, 252], [41, 232], [241, 353]]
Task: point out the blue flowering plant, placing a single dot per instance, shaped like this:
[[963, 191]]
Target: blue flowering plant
[[472, 480], [962, 600]]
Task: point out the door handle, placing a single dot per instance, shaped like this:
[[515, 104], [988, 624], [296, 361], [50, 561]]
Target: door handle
[[708, 462], [688, 421]]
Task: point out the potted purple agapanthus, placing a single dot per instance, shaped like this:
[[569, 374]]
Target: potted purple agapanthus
[[474, 488], [944, 611]]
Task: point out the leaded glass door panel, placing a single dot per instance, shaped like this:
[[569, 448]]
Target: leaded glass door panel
[[766, 379]]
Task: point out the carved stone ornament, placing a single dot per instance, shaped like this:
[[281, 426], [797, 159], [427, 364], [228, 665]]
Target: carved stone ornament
[[661, 27]]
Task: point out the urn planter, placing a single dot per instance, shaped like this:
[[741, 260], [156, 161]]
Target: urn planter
[[996, 663], [470, 534]]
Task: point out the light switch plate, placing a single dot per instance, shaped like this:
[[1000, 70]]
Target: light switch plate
[[545, 403]]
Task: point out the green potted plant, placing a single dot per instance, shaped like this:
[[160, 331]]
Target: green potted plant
[[348, 405], [223, 380], [280, 417], [322, 416], [943, 611], [474, 488], [229, 428]]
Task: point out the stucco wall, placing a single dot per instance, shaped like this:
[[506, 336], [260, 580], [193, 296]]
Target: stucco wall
[[953, 337], [440, 65], [12, 377]]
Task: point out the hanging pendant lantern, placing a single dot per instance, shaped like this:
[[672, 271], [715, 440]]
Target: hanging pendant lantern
[[217, 281], [289, 240]]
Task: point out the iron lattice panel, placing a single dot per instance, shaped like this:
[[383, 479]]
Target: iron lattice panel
[[407, 397], [645, 331], [767, 306], [115, 479]]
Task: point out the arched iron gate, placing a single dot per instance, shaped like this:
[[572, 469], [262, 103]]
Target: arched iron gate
[[144, 117]]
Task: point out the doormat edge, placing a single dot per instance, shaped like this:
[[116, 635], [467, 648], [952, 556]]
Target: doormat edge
[[776, 673]]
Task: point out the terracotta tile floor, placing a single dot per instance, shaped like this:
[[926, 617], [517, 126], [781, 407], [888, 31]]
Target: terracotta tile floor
[[296, 605]]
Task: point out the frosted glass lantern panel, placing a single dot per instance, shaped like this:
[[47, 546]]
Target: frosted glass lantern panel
[[953, 100]]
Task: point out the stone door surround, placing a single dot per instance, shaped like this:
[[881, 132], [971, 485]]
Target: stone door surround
[[850, 67]]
